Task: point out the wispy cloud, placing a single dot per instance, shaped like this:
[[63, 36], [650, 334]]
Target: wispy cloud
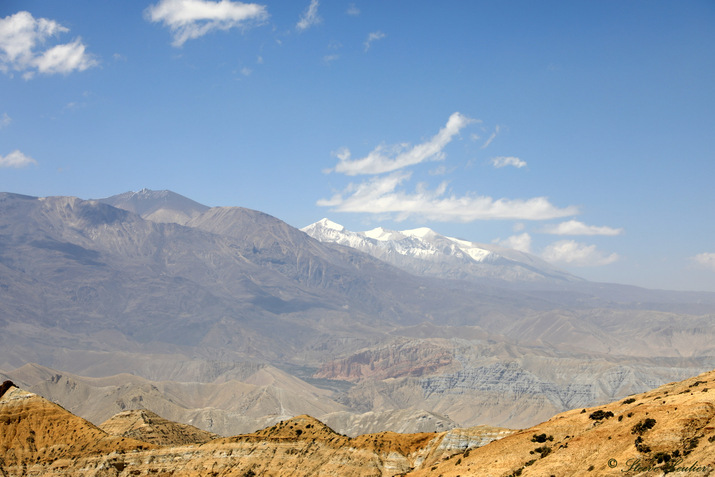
[[574, 227], [372, 37], [521, 242], [491, 137], [16, 160], [310, 17], [387, 159], [21, 33], [504, 161], [706, 260], [353, 10], [380, 195], [570, 252], [5, 120], [191, 19], [330, 58]]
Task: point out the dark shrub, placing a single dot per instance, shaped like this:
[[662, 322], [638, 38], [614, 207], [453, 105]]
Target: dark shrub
[[643, 426], [599, 415]]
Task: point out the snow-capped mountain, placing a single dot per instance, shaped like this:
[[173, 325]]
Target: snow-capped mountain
[[426, 252]]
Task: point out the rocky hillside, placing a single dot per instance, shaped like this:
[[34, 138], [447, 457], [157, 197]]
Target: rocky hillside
[[669, 429]]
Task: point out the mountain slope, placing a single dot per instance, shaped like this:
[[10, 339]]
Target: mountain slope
[[86, 268]]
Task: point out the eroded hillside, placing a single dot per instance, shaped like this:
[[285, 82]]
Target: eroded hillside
[[669, 429]]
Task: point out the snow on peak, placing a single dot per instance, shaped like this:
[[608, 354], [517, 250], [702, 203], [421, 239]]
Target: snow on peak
[[422, 232], [382, 234], [329, 224]]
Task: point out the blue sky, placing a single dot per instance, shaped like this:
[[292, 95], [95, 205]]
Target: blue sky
[[581, 131]]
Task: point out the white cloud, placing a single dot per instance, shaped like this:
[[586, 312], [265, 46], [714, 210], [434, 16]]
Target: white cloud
[[706, 260], [521, 242], [575, 253], [16, 160], [574, 227], [379, 195], [388, 159], [353, 10], [246, 71], [64, 59], [331, 58], [310, 17], [503, 161], [374, 36], [5, 120], [21, 33], [191, 19]]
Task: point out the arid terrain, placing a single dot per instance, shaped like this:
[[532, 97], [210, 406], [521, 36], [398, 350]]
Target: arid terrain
[[668, 429]]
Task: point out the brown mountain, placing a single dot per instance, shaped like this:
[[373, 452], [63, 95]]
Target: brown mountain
[[147, 426], [38, 434]]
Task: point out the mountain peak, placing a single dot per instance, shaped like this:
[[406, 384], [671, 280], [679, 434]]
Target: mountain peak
[[147, 426], [329, 224], [162, 206]]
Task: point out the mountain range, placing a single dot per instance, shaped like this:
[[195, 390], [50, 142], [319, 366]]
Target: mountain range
[[200, 302], [425, 252]]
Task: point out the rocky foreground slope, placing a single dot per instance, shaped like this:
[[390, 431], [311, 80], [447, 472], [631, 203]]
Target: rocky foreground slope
[[669, 429]]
